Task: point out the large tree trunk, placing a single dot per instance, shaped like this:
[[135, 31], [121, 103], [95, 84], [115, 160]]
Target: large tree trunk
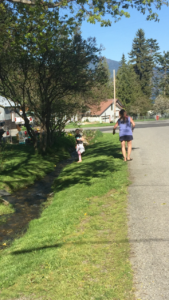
[[30, 131]]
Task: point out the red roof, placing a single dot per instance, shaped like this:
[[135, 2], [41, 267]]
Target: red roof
[[97, 110]]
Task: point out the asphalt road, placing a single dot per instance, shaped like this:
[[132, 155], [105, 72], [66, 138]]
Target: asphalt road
[[148, 212], [150, 124], [147, 124]]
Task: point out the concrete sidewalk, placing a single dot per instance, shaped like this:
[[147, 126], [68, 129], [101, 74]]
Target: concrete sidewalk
[[148, 212]]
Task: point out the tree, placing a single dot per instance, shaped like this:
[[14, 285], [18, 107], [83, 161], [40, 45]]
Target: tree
[[43, 83], [123, 83], [163, 69], [129, 89], [39, 69], [101, 91], [153, 49], [142, 62], [161, 104], [95, 11]]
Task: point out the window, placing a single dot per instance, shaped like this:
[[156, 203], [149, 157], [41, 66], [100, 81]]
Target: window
[[112, 106]]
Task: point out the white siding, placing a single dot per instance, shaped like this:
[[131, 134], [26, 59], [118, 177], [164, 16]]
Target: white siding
[[2, 114], [110, 112], [92, 119], [106, 117]]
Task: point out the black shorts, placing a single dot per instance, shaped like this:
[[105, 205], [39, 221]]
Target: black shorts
[[126, 138]]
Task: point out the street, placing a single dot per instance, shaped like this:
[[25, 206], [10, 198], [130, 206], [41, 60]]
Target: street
[[148, 211], [144, 124]]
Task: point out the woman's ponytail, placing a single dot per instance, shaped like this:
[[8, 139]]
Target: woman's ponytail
[[123, 115]]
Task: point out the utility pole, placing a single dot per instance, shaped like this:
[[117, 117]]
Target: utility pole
[[114, 95]]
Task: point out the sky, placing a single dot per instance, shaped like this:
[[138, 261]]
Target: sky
[[118, 38]]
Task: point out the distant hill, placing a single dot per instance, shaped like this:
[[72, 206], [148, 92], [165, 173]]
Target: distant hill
[[113, 65]]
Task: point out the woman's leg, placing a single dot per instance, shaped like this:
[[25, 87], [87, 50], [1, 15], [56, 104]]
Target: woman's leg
[[123, 148], [80, 156], [129, 146]]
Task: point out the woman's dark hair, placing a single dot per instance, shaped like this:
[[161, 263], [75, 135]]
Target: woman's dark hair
[[123, 115]]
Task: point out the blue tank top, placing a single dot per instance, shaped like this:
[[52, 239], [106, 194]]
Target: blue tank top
[[125, 128]]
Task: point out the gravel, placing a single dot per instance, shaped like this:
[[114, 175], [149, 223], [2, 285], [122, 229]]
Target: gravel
[[148, 212]]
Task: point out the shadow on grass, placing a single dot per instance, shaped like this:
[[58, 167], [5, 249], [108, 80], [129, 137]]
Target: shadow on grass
[[104, 148], [22, 166], [59, 245], [99, 162]]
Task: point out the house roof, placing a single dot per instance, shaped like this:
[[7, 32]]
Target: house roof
[[5, 102], [97, 110]]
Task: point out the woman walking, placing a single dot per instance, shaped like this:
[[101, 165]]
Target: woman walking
[[125, 133]]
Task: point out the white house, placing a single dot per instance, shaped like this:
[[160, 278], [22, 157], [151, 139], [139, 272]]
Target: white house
[[104, 112], [7, 114]]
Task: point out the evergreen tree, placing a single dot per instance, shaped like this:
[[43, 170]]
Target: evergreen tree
[[101, 91], [153, 49], [123, 83], [164, 73], [129, 89], [142, 61]]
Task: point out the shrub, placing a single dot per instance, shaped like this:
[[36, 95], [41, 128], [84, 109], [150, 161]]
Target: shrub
[[92, 135], [67, 142]]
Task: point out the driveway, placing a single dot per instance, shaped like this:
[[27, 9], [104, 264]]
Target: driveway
[[148, 212]]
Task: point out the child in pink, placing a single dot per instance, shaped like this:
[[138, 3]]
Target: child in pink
[[79, 145]]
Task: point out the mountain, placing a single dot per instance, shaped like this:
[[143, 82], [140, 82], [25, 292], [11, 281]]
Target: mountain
[[113, 65]]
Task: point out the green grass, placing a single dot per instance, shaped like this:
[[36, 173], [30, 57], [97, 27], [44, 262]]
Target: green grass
[[20, 166], [78, 249], [74, 125], [6, 209], [143, 120]]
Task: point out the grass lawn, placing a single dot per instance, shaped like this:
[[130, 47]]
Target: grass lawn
[[20, 166], [78, 248], [74, 125], [143, 120]]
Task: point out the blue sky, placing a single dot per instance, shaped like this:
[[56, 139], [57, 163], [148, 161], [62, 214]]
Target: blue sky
[[118, 38]]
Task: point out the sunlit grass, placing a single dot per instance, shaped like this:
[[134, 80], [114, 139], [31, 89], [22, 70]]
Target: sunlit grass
[[21, 166], [144, 120], [6, 209], [78, 249], [74, 125]]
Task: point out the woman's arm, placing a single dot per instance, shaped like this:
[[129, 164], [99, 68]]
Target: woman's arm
[[132, 122], [115, 126]]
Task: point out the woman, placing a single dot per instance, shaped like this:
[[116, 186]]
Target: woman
[[125, 133]]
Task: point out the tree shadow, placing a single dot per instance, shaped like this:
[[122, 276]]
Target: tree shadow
[[79, 243], [91, 167], [21, 163]]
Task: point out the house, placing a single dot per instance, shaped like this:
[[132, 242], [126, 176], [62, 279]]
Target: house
[[104, 112], [7, 113], [8, 116]]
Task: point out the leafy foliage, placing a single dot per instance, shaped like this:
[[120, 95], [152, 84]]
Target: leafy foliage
[[95, 11], [44, 65], [161, 104]]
